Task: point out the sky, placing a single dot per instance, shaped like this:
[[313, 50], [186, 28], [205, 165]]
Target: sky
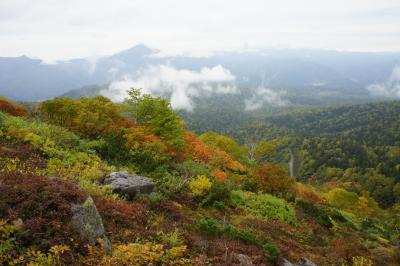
[[63, 29]]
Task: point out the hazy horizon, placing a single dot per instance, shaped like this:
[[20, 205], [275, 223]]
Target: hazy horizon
[[74, 29]]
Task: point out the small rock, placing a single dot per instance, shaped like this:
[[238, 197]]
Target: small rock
[[306, 262], [285, 262], [18, 223], [129, 185], [244, 260], [88, 222], [302, 262]]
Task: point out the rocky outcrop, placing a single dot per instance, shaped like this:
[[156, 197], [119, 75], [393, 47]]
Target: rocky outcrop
[[88, 222], [129, 185], [302, 262]]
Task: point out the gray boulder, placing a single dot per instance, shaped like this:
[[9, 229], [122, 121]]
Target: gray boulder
[[88, 222], [302, 262], [129, 185]]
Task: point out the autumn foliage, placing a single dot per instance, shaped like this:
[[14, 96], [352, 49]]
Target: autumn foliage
[[211, 199], [89, 118], [43, 205], [12, 108], [272, 179], [208, 155]]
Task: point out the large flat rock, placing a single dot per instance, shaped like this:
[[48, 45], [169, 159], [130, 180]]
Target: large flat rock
[[129, 185]]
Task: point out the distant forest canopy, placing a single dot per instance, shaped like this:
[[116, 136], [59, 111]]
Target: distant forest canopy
[[357, 146]]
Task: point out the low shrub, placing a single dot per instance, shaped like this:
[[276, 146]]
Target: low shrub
[[43, 206], [173, 239], [200, 185], [126, 221], [320, 216], [264, 205], [219, 196], [211, 227], [141, 254], [17, 156], [68, 156], [13, 253], [167, 184]]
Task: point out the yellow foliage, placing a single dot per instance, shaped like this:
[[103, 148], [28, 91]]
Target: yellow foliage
[[8, 164], [138, 254], [361, 261], [200, 185], [78, 166], [37, 258], [11, 254], [350, 201]]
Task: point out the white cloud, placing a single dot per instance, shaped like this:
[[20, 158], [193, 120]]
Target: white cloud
[[265, 96], [180, 84], [390, 88]]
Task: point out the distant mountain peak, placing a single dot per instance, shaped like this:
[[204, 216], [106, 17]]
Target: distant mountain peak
[[139, 50]]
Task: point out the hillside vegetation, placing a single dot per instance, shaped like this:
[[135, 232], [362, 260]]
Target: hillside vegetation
[[214, 198]]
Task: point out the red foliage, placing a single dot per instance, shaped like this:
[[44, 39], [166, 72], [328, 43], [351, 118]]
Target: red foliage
[[44, 206], [172, 211], [11, 108], [125, 220], [341, 249]]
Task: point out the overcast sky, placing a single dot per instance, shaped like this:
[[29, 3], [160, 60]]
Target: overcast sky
[[60, 29]]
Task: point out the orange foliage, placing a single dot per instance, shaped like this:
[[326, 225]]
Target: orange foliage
[[219, 175], [11, 108], [210, 156], [307, 193], [139, 134], [272, 178], [127, 123]]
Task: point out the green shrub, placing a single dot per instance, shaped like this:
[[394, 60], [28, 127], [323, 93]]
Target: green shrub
[[211, 227], [68, 156], [325, 215], [167, 184], [320, 216], [264, 205], [191, 169], [173, 239], [219, 196]]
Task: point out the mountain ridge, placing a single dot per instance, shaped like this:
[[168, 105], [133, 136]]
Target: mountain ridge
[[346, 73]]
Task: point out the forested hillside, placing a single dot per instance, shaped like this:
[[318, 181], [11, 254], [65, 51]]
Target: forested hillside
[[214, 200], [356, 145]]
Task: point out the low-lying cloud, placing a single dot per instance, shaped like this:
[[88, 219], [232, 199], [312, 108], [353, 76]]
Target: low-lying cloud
[[181, 85], [389, 88], [265, 96]]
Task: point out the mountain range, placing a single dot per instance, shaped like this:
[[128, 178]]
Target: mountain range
[[317, 73]]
